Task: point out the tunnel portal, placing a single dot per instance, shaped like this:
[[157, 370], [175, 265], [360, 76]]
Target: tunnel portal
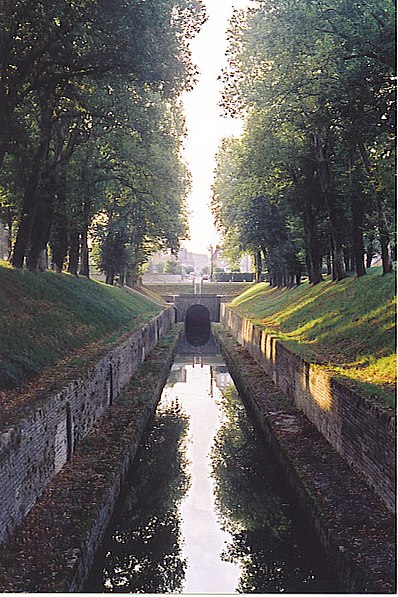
[[182, 303], [197, 325]]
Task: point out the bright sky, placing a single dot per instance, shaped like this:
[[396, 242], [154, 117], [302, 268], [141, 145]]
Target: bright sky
[[206, 127]]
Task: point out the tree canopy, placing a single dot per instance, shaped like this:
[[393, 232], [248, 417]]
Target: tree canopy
[[312, 176], [91, 129]]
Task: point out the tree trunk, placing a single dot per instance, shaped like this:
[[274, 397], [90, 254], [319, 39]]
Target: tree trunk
[[313, 253], [25, 225], [258, 267], [333, 211], [393, 255], [42, 263], [84, 257], [369, 249], [131, 277], [357, 212], [60, 225], [40, 233], [110, 277], [74, 247], [347, 258], [28, 210], [8, 231], [329, 264], [338, 269], [384, 235], [60, 246]]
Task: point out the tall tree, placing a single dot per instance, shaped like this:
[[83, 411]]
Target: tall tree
[[73, 76], [309, 66]]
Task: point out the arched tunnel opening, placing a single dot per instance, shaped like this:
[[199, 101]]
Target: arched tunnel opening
[[197, 325]]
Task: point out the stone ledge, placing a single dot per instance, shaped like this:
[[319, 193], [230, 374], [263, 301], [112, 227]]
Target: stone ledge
[[353, 525]]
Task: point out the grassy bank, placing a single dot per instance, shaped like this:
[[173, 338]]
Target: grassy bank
[[349, 326], [45, 317]]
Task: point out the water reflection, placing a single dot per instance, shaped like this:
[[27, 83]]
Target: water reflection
[[197, 386], [203, 512], [141, 552], [266, 544]]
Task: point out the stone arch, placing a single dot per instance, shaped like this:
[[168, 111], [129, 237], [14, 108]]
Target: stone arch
[[197, 325]]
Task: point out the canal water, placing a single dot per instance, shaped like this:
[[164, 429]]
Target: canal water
[[203, 509]]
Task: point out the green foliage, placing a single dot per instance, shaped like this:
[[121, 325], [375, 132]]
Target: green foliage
[[46, 318], [319, 142], [249, 220], [348, 327], [243, 508], [91, 125], [264, 542]]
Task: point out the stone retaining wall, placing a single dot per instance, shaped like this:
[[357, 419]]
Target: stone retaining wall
[[353, 531], [360, 431], [53, 548], [34, 449]]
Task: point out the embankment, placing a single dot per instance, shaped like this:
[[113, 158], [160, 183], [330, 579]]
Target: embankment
[[361, 432], [40, 437], [54, 546], [354, 528]]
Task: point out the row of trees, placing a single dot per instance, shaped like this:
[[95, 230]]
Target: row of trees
[[311, 180], [91, 130]]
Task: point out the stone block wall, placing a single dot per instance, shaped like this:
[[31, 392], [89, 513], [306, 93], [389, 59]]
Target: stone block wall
[[35, 448], [182, 303], [360, 431]]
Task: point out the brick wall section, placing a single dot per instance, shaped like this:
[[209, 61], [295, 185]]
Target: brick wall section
[[37, 447], [363, 434]]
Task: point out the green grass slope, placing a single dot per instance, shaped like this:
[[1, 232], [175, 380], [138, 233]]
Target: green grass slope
[[349, 327], [45, 317]]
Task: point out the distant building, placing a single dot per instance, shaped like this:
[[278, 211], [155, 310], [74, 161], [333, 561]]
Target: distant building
[[245, 264], [197, 262], [219, 260], [193, 261]]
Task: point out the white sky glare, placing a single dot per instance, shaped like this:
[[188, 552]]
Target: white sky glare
[[205, 125]]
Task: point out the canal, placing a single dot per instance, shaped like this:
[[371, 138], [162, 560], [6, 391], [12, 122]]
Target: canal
[[204, 509]]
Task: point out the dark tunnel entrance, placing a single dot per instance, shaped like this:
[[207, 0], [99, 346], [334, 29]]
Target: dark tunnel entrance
[[197, 325]]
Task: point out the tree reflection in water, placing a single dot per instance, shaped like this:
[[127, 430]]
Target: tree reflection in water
[[141, 552], [265, 543]]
